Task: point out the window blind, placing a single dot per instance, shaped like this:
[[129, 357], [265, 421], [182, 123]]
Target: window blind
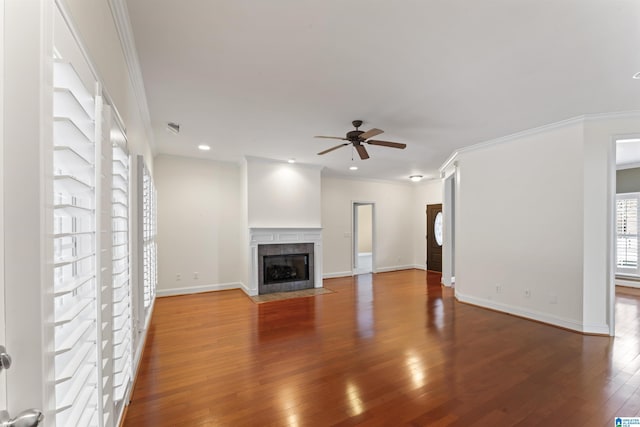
[[74, 243], [122, 305], [149, 232], [627, 214]]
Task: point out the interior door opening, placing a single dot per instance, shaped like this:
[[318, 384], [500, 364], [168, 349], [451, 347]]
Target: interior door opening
[[363, 238], [435, 237], [625, 220]]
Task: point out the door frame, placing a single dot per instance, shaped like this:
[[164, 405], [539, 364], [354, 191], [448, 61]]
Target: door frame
[[3, 377], [449, 206], [611, 230], [354, 235]]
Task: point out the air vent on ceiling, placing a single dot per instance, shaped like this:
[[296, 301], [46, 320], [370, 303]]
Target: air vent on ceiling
[[173, 127]]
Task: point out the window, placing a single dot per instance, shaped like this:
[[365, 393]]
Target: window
[[627, 233]]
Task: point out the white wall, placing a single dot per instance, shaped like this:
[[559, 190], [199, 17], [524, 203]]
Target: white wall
[[281, 195], [519, 224], [534, 213], [425, 193], [393, 230], [599, 212], [199, 224]]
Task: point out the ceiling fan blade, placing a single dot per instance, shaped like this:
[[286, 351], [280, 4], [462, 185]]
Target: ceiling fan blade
[[370, 133], [332, 148], [331, 137], [362, 152], [387, 144]]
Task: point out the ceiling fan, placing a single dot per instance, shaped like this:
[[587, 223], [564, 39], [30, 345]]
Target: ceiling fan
[[357, 138]]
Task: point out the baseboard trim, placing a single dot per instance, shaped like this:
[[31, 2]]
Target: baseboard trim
[[590, 329], [628, 283], [422, 267], [395, 268], [199, 289], [337, 274]]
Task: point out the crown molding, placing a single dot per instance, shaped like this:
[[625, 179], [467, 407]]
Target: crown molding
[[540, 129], [121, 19]]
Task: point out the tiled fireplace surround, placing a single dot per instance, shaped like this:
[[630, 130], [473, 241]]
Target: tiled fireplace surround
[[280, 236]]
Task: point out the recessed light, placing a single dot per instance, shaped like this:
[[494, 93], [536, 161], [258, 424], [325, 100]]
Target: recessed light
[[415, 178], [353, 168], [204, 147], [291, 160], [637, 75]]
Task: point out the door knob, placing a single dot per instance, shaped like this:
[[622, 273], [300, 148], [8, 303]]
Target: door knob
[[5, 359], [28, 418]]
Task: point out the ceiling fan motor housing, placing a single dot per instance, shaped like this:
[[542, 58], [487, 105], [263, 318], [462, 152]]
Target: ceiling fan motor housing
[[354, 135]]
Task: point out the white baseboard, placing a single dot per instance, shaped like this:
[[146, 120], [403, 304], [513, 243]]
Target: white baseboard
[[198, 289], [599, 329], [337, 274], [628, 283], [420, 267], [395, 268]]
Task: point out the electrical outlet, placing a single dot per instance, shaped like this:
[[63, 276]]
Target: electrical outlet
[[195, 274], [178, 277], [527, 293], [498, 289]]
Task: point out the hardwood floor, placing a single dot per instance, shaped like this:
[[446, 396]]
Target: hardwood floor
[[385, 350]]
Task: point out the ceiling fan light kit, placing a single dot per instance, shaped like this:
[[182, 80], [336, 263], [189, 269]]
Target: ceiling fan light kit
[[357, 138]]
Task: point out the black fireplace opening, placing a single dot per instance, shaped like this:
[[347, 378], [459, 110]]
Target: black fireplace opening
[[285, 268]]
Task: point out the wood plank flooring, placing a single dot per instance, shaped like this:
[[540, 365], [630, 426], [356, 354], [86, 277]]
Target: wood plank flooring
[[390, 349]]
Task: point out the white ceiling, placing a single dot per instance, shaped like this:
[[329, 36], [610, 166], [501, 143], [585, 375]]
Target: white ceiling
[[261, 78]]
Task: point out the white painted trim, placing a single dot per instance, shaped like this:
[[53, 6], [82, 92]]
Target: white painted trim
[[628, 283], [125, 32], [198, 289], [337, 274], [395, 268], [574, 325], [138, 353], [420, 267], [537, 130]]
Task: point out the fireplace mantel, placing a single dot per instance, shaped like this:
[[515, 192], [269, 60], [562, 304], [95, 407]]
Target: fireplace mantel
[[282, 235]]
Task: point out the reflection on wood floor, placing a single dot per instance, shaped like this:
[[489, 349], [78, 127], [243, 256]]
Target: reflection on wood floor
[[388, 349]]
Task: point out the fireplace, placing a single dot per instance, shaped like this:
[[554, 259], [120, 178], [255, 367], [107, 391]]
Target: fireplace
[[288, 247], [285, 267]]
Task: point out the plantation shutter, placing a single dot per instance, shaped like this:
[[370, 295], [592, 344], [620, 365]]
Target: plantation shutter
[[627, 233], [75, 247]]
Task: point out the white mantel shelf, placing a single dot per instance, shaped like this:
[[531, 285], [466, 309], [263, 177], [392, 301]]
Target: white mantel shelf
[[284, 235]]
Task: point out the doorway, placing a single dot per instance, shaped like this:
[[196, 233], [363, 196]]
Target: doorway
[[363, 238], [624, 205], [435, 237]]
